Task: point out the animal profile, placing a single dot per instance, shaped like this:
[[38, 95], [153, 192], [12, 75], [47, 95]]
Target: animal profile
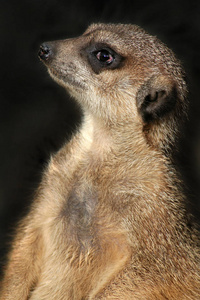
[[109, 220]]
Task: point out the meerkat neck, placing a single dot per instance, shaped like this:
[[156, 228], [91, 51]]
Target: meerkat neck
[[96, 133], [128, 141]]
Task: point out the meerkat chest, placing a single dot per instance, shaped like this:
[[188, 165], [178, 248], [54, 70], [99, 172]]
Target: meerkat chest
[[84, 189]]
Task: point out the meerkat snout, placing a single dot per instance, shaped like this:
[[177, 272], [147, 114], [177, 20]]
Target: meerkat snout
[[45, 52]]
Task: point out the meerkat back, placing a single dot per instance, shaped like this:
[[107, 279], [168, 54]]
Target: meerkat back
[[109, 220]]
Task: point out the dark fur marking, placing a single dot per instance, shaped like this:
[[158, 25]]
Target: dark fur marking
[[79, 212], [97, 66]]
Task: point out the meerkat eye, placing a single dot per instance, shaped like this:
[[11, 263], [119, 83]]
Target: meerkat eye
[[104, 56], [101, 57]]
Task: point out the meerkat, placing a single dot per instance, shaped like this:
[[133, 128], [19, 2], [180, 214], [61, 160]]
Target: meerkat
[[109, 218]]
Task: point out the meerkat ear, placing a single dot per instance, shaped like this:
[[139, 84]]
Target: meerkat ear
[[155, 98]]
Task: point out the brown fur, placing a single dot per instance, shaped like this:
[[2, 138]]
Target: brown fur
[[109, 219]]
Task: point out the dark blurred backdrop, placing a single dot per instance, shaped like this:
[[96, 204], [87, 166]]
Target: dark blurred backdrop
[[36, 115]]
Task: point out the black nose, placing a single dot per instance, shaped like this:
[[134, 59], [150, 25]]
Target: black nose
[[45, 52]]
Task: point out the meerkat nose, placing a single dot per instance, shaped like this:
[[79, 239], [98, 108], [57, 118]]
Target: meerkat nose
[[45, 52]]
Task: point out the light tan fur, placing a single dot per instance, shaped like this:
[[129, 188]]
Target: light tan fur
[[109, 219]]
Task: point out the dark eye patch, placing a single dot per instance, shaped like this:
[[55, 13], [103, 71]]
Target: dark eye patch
[[101, 57]]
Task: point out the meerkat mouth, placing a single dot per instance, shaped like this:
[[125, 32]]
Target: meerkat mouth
[[65, 79]]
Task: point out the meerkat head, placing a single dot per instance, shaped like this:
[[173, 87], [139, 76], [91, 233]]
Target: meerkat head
[[121, 75]]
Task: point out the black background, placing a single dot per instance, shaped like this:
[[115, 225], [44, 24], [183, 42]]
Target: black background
[[36, 115]]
